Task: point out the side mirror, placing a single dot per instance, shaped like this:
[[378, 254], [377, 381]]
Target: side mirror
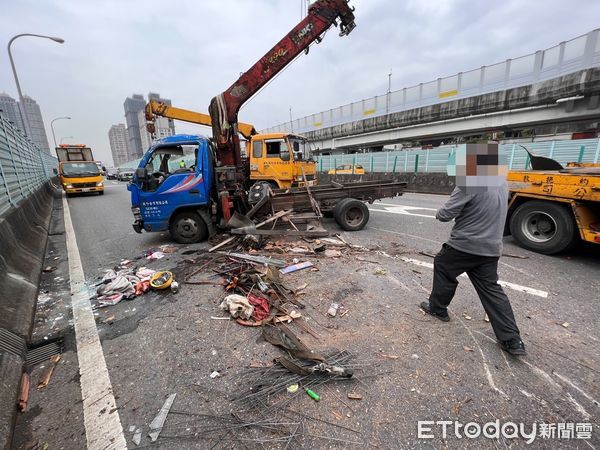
[[141, 173], [285, 156], [55, 170]]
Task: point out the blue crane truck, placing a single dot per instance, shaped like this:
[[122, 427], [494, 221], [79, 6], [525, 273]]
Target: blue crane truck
[[187, 201]]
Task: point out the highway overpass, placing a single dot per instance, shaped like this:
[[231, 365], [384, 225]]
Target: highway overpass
[[558, 85]]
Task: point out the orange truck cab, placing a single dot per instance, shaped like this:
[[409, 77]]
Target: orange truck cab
[[78, 172], [283, 160]]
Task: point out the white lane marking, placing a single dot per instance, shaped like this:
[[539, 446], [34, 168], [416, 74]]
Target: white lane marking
[[440, 242], [502, 353], [407, 235], [577, 388], [406, 206], [488, 373], [513, 286], [543, 375], [404, 210], [100, 415]]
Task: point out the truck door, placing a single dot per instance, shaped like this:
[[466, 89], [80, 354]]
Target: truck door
[[274, 162], [169, 187]]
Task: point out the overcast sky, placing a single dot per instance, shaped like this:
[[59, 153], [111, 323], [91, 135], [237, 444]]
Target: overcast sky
[[189, 51]]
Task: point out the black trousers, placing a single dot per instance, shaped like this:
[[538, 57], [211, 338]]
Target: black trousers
[[449, 263]]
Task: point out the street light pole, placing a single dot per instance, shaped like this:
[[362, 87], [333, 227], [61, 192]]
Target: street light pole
[[27, 131], [52, 128], [389, 93]]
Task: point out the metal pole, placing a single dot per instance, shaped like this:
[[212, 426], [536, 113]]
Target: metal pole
[[581, 152], [396, 160], [552, 149], [52, 128], [597, 152], [405, 160], [512, 156], [427, 161], [416, 163], [5, 181], [26, 131], [389, 93]]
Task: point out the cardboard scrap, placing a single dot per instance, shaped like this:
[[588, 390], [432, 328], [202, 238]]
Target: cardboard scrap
[[47, 374], [296, 267]]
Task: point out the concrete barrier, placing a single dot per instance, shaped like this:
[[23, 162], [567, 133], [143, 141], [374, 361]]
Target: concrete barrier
[[425, 183], [23, 238]]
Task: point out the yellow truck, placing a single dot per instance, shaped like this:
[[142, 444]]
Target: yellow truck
[[552, 207], [77, 171], [281, 159]]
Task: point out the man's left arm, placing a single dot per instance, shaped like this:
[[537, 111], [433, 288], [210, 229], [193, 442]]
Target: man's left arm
[[452, 208]]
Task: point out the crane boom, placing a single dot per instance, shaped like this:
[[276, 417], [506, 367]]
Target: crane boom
[[155, 108], [224, 107]]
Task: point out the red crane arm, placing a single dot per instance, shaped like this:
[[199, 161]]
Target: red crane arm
[[224, 108]]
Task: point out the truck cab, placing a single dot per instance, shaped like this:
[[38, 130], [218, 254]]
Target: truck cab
[[77, 171], [281, 159], [166, 196]]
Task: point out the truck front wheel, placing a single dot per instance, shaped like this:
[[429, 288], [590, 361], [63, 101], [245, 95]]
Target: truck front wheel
[[544, 227], [351, 214], [187, 228]]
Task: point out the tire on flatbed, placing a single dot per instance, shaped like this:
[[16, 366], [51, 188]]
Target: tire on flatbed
[[351, 214], [544, 227], [187, 227]]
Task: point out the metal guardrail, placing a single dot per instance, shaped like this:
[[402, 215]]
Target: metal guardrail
[[436, 159], [576, 54], [23, 166]]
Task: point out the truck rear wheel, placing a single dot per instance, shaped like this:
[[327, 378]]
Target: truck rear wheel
[[544, 227], [187, 228], [351, 214]]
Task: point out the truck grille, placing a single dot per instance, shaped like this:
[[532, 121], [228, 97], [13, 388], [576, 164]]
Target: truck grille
[[84, 185]]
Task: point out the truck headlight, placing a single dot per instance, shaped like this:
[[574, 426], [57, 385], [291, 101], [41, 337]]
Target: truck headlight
[[69, 186], [137, 214], [99, 184]]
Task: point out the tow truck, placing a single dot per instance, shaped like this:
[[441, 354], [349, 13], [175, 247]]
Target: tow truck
[[193, 202], [551, 207], [281, 159]]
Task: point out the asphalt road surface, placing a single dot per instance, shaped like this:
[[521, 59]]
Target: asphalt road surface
[[414, 367]]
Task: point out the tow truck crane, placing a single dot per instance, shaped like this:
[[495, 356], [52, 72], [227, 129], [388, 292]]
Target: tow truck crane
[[281, 159], [192, 202]]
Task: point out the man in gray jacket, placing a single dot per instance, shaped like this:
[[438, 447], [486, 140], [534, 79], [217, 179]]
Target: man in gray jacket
[[478, 206]]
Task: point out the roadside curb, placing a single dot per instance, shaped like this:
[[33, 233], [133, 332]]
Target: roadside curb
[[24, 232]]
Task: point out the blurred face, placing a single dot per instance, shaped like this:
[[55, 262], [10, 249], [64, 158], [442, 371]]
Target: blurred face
[[478, 167]]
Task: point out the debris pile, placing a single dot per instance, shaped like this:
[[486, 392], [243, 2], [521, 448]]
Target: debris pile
[[126, 281], [263, 407]]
